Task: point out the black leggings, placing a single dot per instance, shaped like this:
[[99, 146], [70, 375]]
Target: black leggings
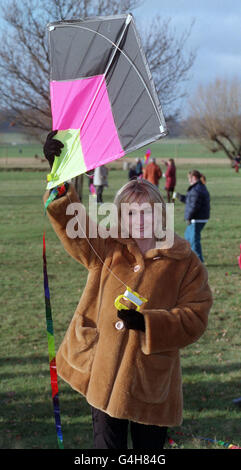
[[112, 433]]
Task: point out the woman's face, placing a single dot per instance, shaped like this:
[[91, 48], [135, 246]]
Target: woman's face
[[139, 220], [192, 179]]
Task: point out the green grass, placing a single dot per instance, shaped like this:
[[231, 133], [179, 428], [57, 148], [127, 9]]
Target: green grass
[[181, 148], [20, 150], [211, 367], [18, 145]]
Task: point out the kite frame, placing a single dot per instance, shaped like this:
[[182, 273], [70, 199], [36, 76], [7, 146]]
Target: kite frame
[[155, 101]]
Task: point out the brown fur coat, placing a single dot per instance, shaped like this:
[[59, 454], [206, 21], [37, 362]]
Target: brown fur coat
[[126, 373]]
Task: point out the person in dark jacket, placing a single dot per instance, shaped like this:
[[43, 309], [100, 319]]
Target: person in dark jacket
[[138, 168], [197, 210], [132, 172]]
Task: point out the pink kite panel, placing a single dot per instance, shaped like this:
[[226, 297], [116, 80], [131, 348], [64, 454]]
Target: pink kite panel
[[84, 104]]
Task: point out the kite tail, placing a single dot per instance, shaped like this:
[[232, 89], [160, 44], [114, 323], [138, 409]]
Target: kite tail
[[51, 350]]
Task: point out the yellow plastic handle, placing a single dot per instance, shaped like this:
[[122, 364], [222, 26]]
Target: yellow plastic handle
[[132, 296]]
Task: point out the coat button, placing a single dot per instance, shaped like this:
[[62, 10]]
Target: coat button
[[137, 268], [119, 325]]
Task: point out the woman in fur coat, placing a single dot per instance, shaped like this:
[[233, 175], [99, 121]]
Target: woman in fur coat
[[127, 362]]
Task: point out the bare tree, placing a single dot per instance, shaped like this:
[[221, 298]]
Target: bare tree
[[24, 56], [169, 62], [215, 116]]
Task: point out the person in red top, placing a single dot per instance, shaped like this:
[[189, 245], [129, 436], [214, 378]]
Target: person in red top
[[152, 172], [170, 176]]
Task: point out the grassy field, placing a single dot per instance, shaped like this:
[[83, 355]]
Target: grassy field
[[17, 146], [211, 367]]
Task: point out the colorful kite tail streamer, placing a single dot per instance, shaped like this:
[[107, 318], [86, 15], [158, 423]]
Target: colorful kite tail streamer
[[147, 156], [92, 189], [239, 260], [51, 350]]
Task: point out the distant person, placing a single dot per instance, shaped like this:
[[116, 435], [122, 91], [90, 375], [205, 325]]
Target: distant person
[[237, 163], [197, 210], [170, 175], [90, 175], [139, 168], [100, 181], [132, 172], [152, 172]]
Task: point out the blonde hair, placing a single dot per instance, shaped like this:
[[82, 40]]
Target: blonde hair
[[138, 190], [135, 190]]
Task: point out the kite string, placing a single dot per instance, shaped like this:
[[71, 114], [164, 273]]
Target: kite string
[[96, 253]]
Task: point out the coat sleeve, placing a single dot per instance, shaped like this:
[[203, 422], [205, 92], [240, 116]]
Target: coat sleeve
[[187, 321], [181, 197], [78, 234]]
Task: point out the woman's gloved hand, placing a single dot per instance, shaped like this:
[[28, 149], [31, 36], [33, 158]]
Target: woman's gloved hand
[[52, 148], [132, 319]]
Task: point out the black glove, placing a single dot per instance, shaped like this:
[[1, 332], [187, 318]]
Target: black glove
[[52, 148], [132, 319]]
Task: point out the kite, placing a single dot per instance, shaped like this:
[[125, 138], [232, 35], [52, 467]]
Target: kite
[[147, 156], [103, 99]]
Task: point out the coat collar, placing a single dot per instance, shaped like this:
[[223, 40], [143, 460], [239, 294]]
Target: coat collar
[[181, 249], [193, 185]]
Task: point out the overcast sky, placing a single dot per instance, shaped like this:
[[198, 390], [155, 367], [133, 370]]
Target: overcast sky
[[216, 33]]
